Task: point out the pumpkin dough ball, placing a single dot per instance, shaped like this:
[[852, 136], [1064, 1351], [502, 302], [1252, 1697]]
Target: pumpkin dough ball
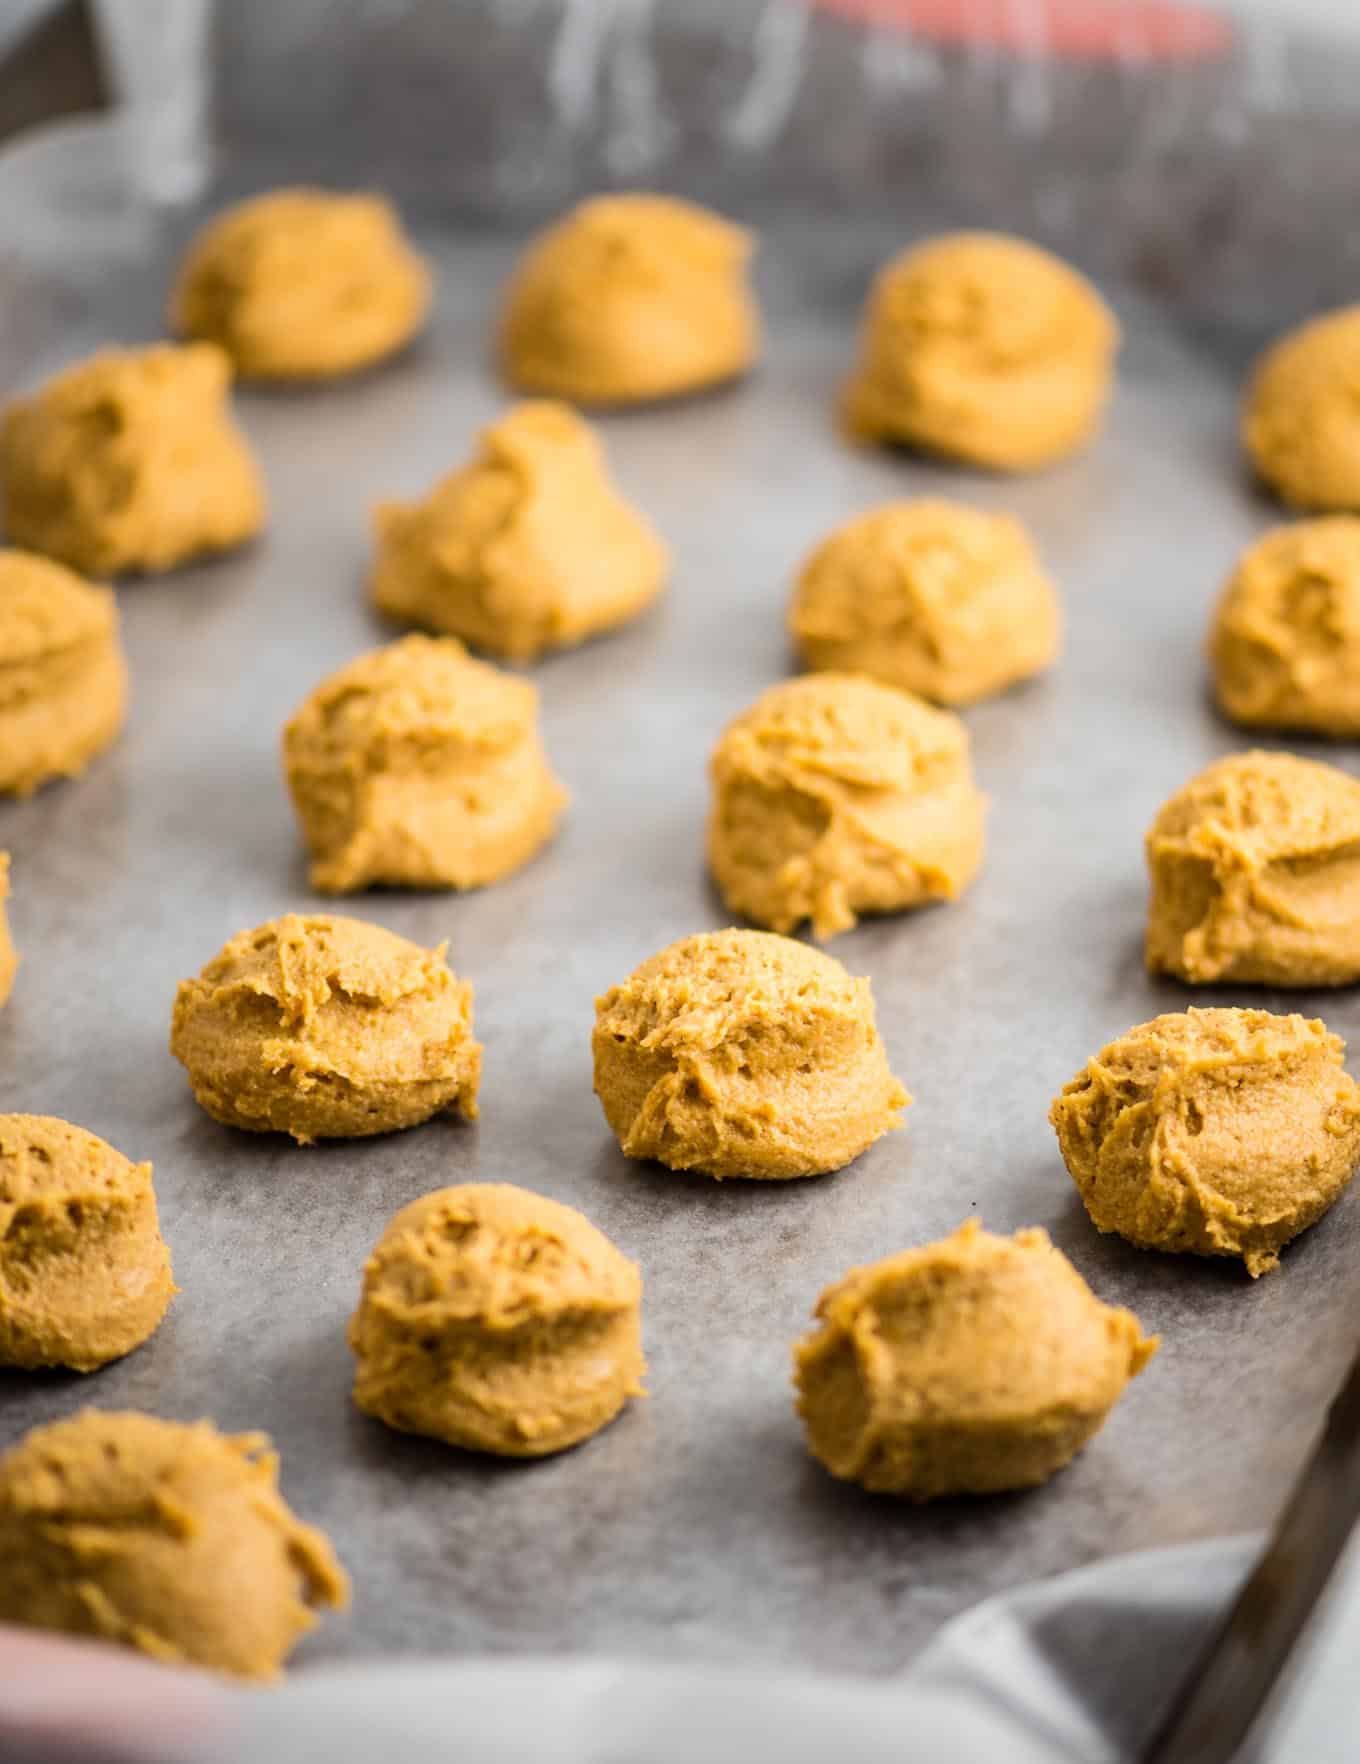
[[130, 461], [1255, 875], [418, 767], [155, 1535], [934, 597], [63, 680], [302, 285], [985, 349], [835, 796], [1285, 644], [327, 1028], [630, 298], [1217, 1132], [1300, 424], [739, 1053], [971, 1366], [84, 1271], [528, 548], [9, 960], [498, 1320]]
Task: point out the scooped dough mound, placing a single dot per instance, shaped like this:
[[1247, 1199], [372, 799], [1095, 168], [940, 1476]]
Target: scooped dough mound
[[630, 298], [63, 680], [302, 285], [1218, 1132], [739, 1053], [835, 796], [1255, 875], [1285, 644], [84, 1271], [9, 960], [971, 1366], [130, 461], [416, 766], [931, 596], [155, 1535], [1300, 420], [984, 349], [529, 547], [498, 1320], [327, 1028]]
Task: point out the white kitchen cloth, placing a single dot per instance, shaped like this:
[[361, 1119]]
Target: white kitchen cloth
[[1073, 1670]]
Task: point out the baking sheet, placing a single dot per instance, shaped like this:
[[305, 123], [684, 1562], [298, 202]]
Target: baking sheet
[[696, 1527]]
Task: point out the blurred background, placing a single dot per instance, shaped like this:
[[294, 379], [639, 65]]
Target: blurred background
[[1201, 151]]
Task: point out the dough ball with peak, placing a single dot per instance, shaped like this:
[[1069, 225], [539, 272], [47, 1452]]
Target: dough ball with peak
[[527, 548]]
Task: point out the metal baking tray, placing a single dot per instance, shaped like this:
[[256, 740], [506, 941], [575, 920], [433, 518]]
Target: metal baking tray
[[696, 1526]]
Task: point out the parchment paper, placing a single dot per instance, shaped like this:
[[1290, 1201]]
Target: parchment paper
[[696, 1528]]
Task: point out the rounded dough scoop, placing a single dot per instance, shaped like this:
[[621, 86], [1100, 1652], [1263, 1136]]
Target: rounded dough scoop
[[975, 1365], [417, 767], [834, 796], [739, 1053], [984, 349], [302, 284], [130, 461], [325, 1027], [165, 1537], [497, 1320], [628, 299], [1214, 1132]]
